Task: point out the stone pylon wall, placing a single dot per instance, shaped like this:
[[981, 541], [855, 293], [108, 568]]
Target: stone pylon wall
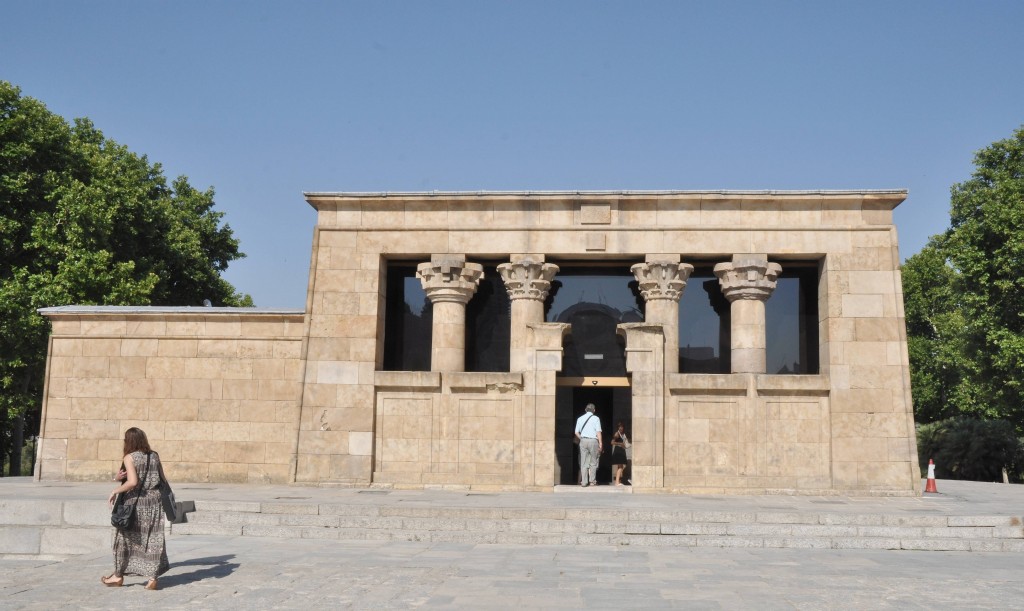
[[864, 354], [216, 390]]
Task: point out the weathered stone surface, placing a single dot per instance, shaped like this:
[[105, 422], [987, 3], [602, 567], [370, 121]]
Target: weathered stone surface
[[248, 396]]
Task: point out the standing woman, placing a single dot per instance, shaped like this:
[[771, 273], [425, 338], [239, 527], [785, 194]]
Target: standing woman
[[139, 549], [619, 442]]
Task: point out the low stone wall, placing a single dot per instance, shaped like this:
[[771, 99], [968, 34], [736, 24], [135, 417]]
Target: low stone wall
[[51, 528], [217, 392]]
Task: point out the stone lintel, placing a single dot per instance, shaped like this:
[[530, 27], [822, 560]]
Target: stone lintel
[[526, 257], [739, 384], [478, 381], [407, 380], [793, 385], [708, 383]]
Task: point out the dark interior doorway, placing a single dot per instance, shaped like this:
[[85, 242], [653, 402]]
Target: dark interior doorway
[[613, 404]]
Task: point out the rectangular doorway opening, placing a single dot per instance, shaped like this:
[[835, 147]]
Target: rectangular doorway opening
[[614, 404]]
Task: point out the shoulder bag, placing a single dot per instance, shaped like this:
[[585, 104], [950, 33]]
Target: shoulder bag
[[123, 514], [576, 434], [167, 498]]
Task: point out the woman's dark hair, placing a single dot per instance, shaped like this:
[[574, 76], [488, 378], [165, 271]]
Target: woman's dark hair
[[621, 425], [135, 441]]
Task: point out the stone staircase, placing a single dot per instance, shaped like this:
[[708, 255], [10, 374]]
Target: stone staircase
[[603, 526]]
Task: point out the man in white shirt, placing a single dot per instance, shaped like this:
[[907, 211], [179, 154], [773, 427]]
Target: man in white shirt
[[588, 431]]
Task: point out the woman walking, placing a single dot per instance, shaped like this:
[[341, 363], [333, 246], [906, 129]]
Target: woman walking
[[139, 549]]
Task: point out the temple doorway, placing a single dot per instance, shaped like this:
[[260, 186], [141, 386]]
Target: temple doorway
[[614, 405]]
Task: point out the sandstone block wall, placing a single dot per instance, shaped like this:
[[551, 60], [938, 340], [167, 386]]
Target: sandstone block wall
[[251, 396], [458, 429], [217, 394], [748, 433]]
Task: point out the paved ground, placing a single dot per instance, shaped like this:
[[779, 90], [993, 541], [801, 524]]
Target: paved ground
[[255, 573]]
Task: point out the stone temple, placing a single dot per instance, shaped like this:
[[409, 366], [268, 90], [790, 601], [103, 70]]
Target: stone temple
[[750, 341]]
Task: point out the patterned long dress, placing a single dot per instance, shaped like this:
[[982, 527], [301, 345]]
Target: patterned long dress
[[139, 549]]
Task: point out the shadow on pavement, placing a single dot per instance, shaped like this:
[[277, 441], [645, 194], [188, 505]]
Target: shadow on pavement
[[216, 567]]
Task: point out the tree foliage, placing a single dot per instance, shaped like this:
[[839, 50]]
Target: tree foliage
[[965, 297], [83, 220], [971, 449]]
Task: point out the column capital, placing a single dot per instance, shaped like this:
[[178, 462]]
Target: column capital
[[748, 277], [527, 278], [662, 279], [449, 279]]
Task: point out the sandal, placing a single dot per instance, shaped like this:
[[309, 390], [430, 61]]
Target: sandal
[[152, 584], [111, 582]]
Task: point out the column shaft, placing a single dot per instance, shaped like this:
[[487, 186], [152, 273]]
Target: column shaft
[[662, 280], [527, 279], [747, 335], [448, 337], [449, 283], [747, 282]]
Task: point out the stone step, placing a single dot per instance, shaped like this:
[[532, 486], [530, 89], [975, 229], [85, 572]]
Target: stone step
[[52, 527], [618, 539], [278, 509], [56, 529], [605, 526], [767, 525]]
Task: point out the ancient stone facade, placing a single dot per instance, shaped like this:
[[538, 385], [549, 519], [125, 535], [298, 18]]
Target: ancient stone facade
[[396, 375]]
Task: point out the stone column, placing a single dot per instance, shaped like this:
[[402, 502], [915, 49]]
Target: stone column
[[662, 280], [527, 280], [449, 282], [747, 283]]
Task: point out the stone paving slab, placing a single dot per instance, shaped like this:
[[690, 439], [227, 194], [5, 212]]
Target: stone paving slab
[[211, 572]]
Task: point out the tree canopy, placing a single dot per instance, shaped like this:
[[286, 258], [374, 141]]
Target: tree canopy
[[964, 297], [85, 221]]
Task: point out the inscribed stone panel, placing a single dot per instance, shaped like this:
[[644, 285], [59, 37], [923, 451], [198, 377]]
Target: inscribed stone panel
[[689, 430], [797, 441], [405, 424], [595, 214], [486, 433]]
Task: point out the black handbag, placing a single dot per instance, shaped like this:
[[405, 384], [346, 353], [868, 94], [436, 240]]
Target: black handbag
[[123, 514], [167, 499]]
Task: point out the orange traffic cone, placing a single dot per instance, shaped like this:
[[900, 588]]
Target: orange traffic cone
[[930, 484]]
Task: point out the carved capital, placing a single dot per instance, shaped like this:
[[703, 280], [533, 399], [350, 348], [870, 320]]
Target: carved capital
[[662, 279], [748, 278], [451, 280], [527, 279]]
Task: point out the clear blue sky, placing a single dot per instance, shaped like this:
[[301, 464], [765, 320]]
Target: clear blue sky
[[265, 100]]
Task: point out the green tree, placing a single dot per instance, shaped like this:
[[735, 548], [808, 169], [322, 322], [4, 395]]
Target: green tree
[[934, 335], [972, 449], [85, 221], [965, 297]]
